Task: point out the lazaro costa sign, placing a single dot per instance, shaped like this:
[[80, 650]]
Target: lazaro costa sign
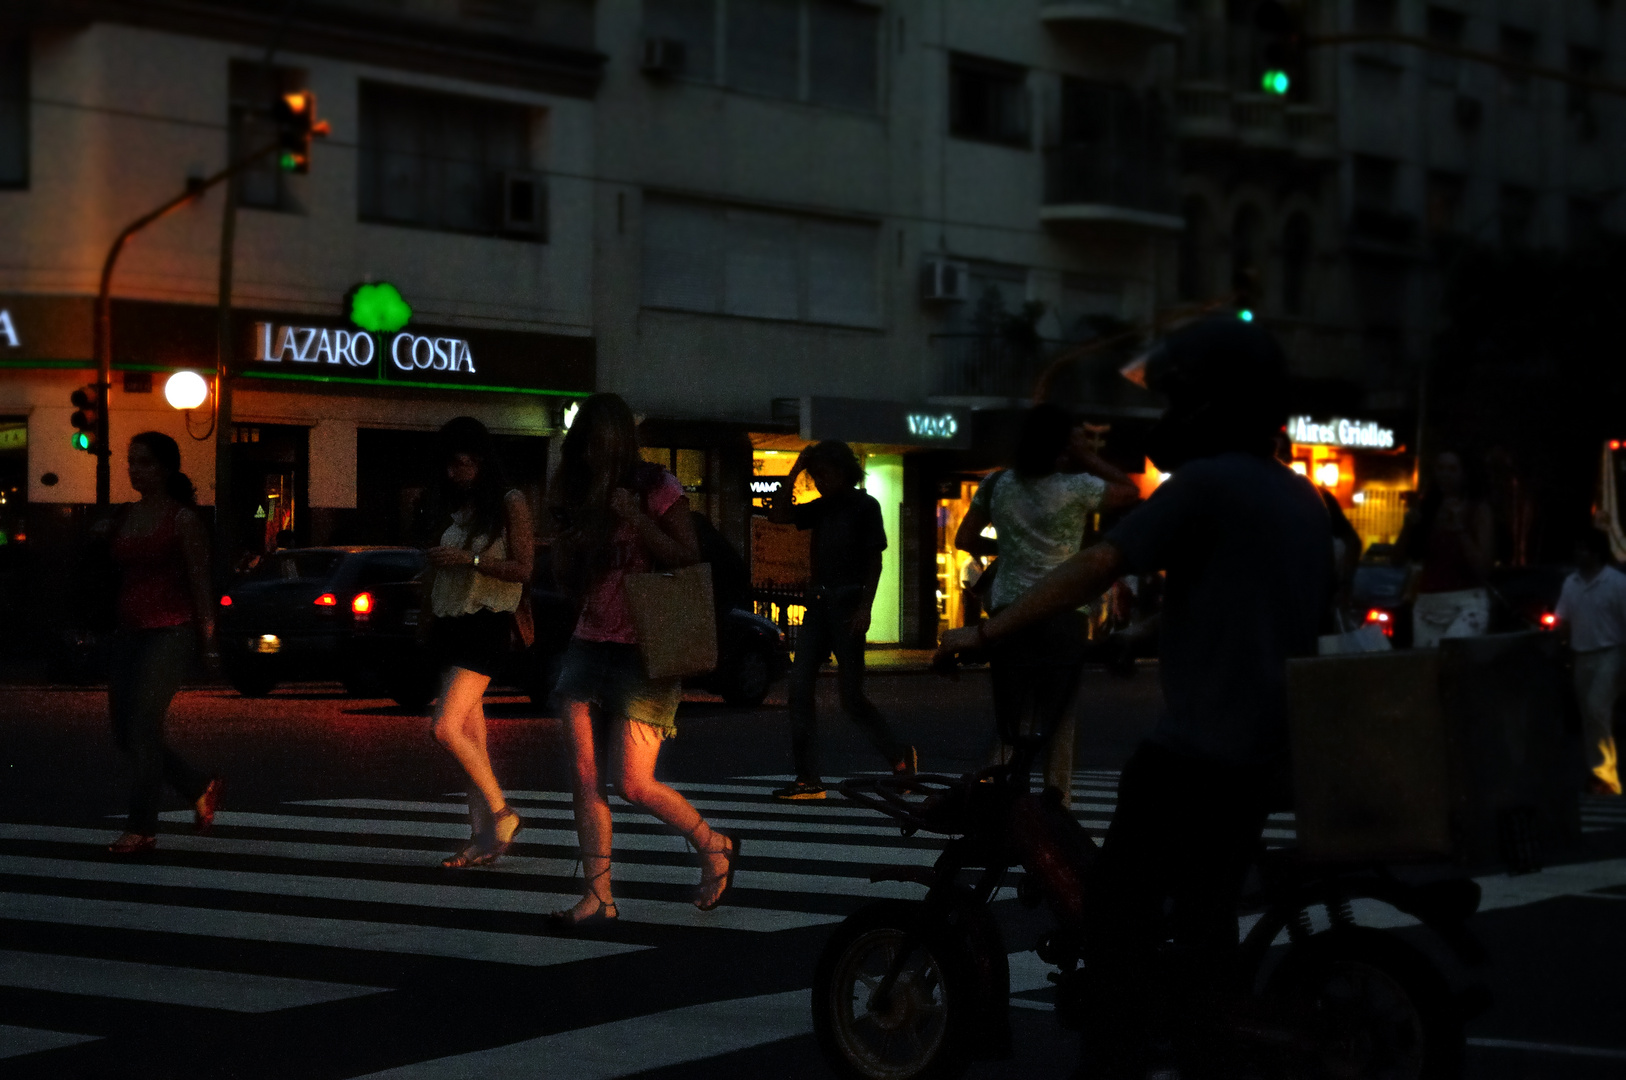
[[404, 351]]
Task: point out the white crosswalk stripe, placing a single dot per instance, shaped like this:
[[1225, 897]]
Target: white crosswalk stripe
[[354, 881]]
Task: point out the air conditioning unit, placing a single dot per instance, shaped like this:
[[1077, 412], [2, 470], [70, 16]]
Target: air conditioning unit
[[525, 204], [662, 58], [945, 281]]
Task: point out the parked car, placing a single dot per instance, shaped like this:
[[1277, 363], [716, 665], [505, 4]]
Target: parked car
[[1380, 596], [317, 613], [1522, 598]]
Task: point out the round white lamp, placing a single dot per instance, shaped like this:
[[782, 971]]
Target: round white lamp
[[186, 390]]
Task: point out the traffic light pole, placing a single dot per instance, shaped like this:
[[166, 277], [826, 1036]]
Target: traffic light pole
[[103, 329]]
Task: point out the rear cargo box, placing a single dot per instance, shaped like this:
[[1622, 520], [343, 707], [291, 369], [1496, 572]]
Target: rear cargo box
[[1462, 754]]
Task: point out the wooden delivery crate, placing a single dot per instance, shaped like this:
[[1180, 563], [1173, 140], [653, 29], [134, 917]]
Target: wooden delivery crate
[[1461, 754]]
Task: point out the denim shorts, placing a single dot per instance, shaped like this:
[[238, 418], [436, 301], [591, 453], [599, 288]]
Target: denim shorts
[[611, 676]]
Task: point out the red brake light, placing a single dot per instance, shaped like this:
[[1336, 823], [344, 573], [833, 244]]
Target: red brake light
[[1377, 616], [225, 601], [327, 599], [362, 603], [1549, 620]]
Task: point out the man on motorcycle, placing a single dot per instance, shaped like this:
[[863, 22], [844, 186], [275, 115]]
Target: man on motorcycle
[[1245, 543]]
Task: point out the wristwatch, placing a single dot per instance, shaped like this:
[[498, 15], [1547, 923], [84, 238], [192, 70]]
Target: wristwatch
[[476, 563]]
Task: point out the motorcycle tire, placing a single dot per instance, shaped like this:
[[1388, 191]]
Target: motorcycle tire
[[1377, 1009], [923, 1031]]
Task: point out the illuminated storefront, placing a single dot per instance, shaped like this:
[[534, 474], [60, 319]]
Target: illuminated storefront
[[1363, 465]]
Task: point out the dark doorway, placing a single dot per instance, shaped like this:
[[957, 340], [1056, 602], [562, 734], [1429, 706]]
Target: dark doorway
[[269, 501], [395, 471]]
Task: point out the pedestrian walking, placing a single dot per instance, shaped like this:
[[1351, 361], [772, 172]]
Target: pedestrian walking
[[1452, 535], [848, 539], [1040, 509], [614, 514], [476, 585], [1592, 612], [164, 616]]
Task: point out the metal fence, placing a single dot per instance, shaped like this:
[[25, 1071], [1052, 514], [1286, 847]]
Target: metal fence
[[784, 606]]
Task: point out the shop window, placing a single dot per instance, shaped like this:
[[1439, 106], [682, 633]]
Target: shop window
[[14, 108], [441, 161], [988, 101], [733, 261], [824, 52], [692, 469], [253, 91]]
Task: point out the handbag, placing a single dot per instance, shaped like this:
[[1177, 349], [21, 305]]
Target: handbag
[[676, 620], [1350, 639]]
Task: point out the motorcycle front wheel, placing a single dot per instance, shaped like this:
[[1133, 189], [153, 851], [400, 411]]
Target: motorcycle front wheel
[[919, 1030]]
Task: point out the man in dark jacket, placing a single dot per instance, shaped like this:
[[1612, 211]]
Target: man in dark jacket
[[1246, 546]]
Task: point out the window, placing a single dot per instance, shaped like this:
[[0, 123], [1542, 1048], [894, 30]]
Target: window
[[1446, 28], [439, 161], [760, 264], [1518, 214], [988, 101], [1298, 252], [1375, 181], [1446, 192], [14, 111], [1374, 16], [825, 52], [693, 25], [253, 90], [1585, 63], [1519, 49], [1194, 246], [1248, 256]]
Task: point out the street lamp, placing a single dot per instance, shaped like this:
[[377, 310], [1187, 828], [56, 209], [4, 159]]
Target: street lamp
[[186, 390]]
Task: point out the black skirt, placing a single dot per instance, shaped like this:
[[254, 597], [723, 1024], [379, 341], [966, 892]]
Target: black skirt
[[478, 642]]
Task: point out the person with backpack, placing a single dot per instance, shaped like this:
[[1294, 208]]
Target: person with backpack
[[1040, 509]]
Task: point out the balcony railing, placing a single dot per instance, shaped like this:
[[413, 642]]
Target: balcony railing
[[1261, 122], [1153, 18], [1110, 174], [991, 364], [1204, 111], [1312, 131]]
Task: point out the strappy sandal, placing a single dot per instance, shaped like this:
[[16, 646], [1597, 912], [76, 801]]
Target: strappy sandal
[[567, 923], [731, 851], [474, 853]]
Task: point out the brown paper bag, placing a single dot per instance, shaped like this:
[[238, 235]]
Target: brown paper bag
[[676, 622]]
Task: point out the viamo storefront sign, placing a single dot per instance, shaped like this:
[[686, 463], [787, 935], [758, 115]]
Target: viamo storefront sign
[[401, 352]]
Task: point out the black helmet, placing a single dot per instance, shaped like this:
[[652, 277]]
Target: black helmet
[[1226, 383]]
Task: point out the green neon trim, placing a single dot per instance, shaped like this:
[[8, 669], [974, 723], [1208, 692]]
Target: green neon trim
[[420, 385]]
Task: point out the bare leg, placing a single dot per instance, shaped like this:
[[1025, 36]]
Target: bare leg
[[593, 832], [482, 825], [640, 746], [460, 696]]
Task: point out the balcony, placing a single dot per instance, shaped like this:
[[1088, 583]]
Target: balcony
[[1109, 183], [990, 365], [1203, 112], [1151, 20], [1261, 122], [1313, 133]]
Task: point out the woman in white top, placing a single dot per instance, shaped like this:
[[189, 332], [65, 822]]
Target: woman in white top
[[1040, 509], [478, 576]]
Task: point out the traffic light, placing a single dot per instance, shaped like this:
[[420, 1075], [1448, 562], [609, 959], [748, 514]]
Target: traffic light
[[295, 115], [87, 400], [1281, 48]]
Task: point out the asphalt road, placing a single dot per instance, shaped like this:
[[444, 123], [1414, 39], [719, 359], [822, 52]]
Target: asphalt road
[[313, 934]]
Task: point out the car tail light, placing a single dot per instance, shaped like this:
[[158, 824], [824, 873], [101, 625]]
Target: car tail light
[[1549, 621], [1382, 620], [327, 599], [362, 603], [225, 601]]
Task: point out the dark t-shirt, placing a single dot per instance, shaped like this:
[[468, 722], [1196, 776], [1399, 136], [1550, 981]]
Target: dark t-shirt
[[1248, 550], [847, 532]]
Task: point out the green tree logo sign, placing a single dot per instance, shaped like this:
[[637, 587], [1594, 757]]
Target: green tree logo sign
[[378, 307]]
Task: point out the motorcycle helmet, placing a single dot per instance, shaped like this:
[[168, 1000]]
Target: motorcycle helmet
[[1226, 385]]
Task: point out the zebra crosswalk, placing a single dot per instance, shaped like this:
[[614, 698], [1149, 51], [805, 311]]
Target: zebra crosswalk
[[291, 921]]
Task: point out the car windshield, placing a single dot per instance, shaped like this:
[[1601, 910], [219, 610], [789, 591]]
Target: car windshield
[[1379, 582], [298, 566]]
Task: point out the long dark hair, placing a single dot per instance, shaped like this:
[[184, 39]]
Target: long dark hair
[[466, 435], [167, 452], [1046, 431], [599, 454], [1416, 538]]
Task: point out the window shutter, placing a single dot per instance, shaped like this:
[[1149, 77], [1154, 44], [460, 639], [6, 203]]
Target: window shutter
[[692, 22], [682, 263], [762, 40], [759, 268], [843, 54], [841, 286]]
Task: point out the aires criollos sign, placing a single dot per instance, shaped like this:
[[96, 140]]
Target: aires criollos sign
[[402, 351]]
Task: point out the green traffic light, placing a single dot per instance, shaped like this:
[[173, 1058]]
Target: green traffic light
[[1275, 81], [1245, 315], [289, 161], [81, 441]]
